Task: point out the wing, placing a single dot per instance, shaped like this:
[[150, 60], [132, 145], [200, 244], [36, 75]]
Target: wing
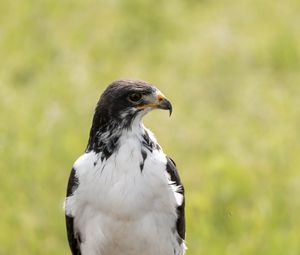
[[73, 237], [180, 224]]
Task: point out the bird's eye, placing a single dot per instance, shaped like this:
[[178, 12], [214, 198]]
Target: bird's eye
[[135, 97]]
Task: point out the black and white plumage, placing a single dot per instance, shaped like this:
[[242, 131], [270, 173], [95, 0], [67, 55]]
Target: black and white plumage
[[124, 194]]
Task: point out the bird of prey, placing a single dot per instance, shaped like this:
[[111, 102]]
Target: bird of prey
[[124, 195]]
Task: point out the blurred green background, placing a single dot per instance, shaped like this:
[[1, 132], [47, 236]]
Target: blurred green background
[[231, 69]]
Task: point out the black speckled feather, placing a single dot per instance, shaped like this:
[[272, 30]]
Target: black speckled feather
[[180, 224], [73, 237]]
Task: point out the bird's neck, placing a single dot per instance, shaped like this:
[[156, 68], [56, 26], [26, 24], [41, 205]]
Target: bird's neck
[[105, 134]]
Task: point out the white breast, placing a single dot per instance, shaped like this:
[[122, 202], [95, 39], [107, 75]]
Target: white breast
[[119, 209]]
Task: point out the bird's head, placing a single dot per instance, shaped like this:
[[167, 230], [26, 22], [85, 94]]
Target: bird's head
[[122, 106], [125, 100]]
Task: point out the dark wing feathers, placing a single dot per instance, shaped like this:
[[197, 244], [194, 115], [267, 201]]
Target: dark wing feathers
[[73, 237], [180, 224]]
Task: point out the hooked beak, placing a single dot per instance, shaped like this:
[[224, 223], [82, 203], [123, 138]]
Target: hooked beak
[[164, 104], [157, 101]]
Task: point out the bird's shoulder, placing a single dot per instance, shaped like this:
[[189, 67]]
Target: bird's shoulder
[[73, 236], [172, 171], [175, 178], [86, 161]]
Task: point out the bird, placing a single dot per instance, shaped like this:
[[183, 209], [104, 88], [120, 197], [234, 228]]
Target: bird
[[124, 194]]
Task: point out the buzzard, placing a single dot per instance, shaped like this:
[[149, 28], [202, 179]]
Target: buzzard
[[124, 195]]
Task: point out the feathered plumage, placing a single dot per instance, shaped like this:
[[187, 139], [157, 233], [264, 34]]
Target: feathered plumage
[[124, 194]]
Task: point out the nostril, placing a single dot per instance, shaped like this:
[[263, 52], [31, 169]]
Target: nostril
[[160, 98]]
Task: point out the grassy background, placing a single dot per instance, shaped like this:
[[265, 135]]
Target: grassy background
[[231, 69]]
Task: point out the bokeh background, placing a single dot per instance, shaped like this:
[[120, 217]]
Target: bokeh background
[[231, 69]]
